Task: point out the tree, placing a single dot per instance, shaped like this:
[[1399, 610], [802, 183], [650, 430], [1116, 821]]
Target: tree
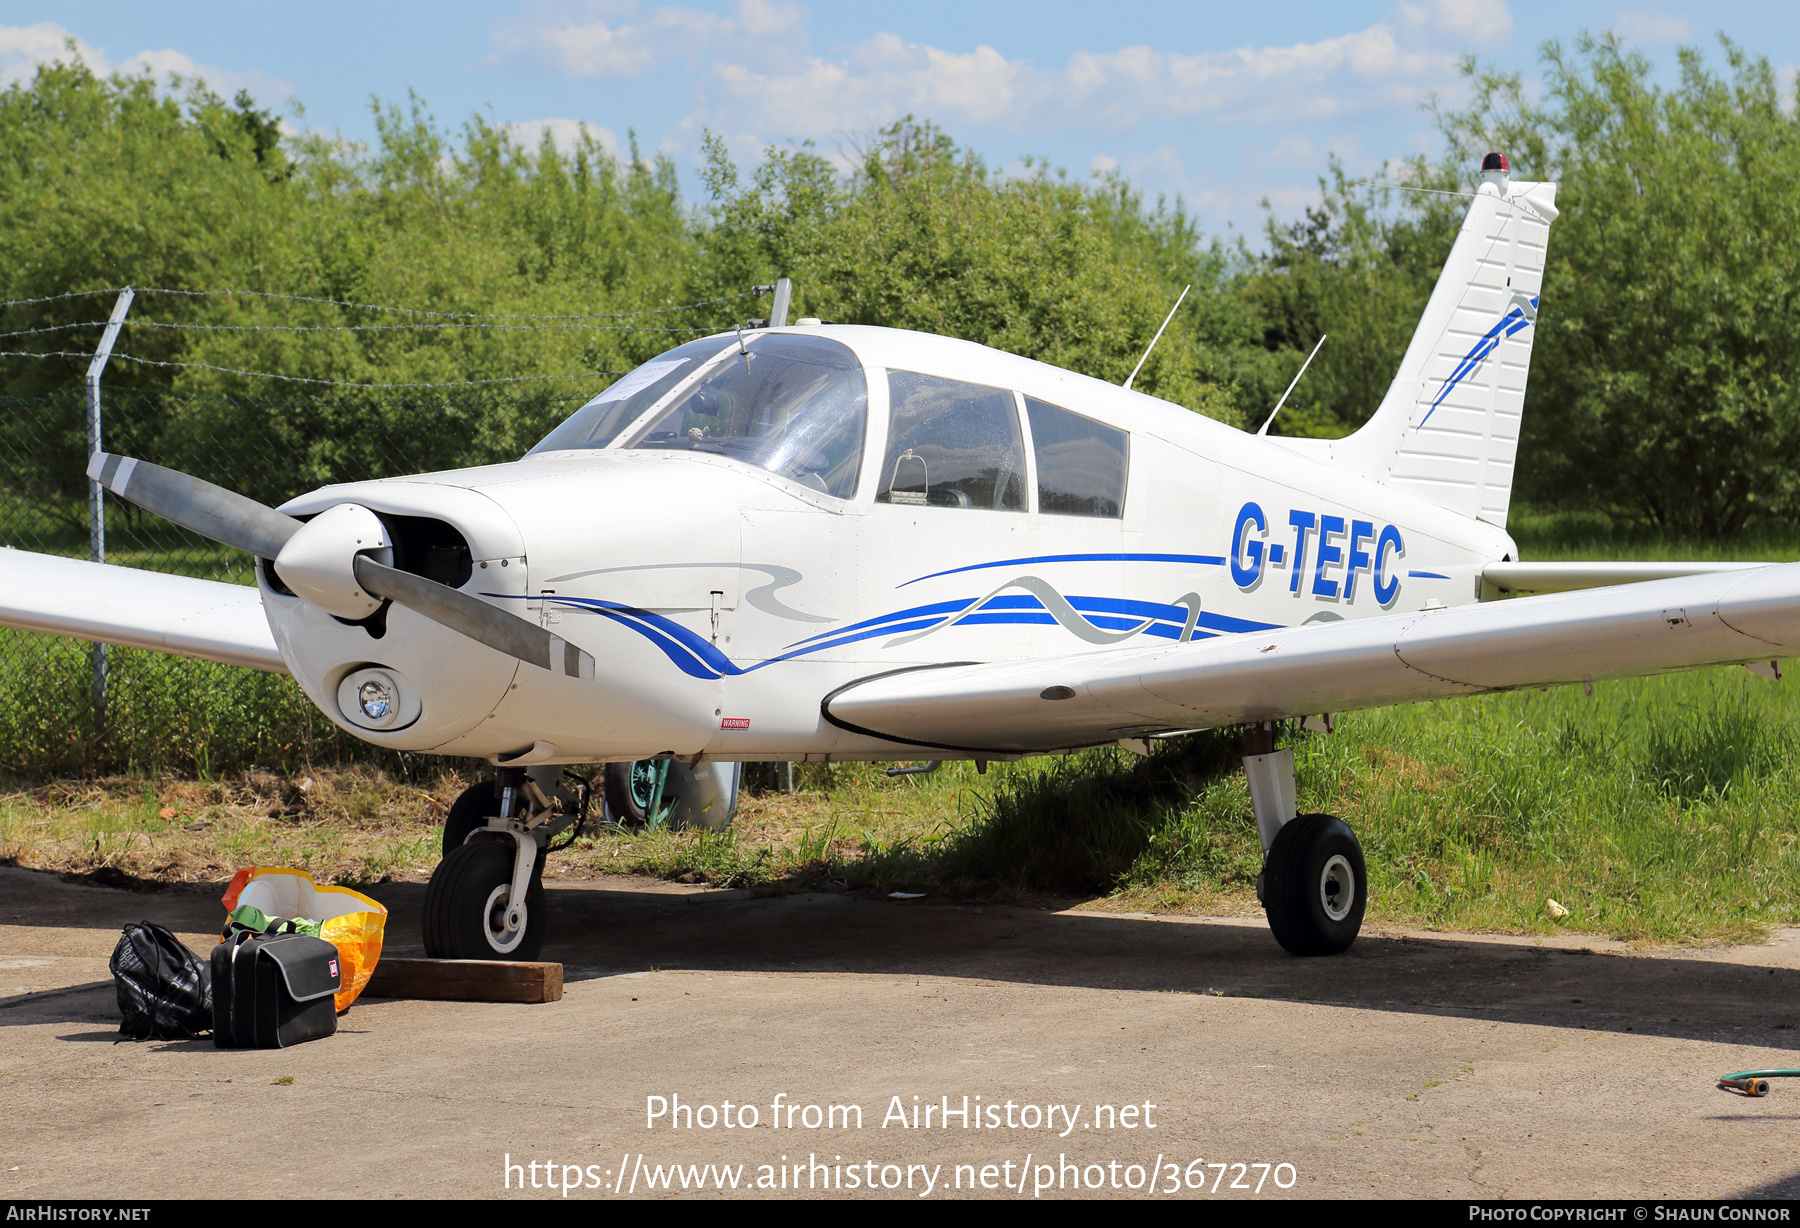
[[1664, 375], [923, 235], [1358, 267]]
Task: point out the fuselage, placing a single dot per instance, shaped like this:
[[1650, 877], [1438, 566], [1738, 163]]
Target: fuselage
[[722, 600]]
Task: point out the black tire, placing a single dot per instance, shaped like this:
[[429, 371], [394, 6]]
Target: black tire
[[628, 788], [1313, 863], [467, 812], [468, 892]]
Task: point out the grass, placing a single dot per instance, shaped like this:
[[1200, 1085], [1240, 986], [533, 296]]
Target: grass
[[1656, 810]]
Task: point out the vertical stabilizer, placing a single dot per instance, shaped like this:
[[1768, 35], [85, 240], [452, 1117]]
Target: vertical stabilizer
[[1448, 429]]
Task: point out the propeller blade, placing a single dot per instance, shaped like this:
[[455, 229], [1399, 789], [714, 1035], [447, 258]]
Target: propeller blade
[[474, 618], [229, 518], [211, 511]]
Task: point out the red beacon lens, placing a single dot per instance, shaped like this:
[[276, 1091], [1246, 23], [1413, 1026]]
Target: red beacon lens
[[1496, 162]]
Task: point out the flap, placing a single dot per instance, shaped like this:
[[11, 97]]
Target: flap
[[309, 965]]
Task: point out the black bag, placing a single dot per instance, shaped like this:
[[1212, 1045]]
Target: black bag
[[272, 990], [165, 991]]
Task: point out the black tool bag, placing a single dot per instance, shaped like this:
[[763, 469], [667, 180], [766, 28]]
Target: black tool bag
[[272, 990], [165, 990]]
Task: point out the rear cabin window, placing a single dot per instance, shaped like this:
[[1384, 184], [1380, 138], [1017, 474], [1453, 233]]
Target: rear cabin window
[[1081, 464], [952, 444]]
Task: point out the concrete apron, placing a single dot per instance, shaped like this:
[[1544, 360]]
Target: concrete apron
[[1418, 1065]]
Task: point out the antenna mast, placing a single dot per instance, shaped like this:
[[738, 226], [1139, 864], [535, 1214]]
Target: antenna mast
[[1158, 337], [1264, 429]]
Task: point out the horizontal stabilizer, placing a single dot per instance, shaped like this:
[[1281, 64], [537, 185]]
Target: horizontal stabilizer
[[1099, 697], [1510, 579], [138, 609]]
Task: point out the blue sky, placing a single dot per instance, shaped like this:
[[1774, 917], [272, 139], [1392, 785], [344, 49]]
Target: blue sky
[[1222, 104]]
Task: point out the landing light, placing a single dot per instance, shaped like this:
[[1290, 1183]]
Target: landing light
[[376, 699]]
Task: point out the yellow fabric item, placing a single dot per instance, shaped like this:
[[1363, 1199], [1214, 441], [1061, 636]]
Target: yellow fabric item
[[350, 920]]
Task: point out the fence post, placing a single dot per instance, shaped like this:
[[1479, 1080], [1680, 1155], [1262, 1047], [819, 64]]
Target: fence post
[[97, 492]]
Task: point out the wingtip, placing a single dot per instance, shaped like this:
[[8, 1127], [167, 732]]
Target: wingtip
[[97, 465]]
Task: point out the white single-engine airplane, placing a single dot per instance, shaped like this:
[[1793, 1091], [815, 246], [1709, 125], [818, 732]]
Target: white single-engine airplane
[[820, 542]]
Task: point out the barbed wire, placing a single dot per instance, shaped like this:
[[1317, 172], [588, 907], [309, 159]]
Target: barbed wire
[[53, 328], [51, 298], [302, 379], [357, 328], [377, 328], [454, 315]]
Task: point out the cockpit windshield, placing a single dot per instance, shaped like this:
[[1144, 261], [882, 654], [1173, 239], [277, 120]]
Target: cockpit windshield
[[599, 422], [792, 404]]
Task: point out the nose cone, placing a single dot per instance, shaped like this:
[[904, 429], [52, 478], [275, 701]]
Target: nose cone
[[336, 638], [317, 561]]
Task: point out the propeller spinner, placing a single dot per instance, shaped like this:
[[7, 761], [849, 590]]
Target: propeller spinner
[[331, 560]]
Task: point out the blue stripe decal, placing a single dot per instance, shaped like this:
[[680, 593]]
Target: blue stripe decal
[[698, 657], [1426, 575], [941, 607], [1509, 324], [1203, 560]]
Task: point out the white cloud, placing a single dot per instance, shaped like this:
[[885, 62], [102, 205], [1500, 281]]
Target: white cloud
[[632, 48], [886, 76], [1473, 22], [759, 76], [761, 19], [23, 48], [1652, 28], [565, 134]]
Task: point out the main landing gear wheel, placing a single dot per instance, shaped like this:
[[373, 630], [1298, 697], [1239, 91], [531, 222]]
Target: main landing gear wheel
[[630, 789], [1314, 885], [468, 812], [466, 904]]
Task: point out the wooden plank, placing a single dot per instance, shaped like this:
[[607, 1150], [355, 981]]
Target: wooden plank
[[466, 980]]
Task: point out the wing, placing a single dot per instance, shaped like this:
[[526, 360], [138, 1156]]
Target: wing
[[1087, 699], [139, 609]]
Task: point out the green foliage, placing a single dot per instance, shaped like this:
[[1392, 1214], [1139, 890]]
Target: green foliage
[[1359, 268], [924, 236], [1666, 366], [107, 182], [1662, 388]]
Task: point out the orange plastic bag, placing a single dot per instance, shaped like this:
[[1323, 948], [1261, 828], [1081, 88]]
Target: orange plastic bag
[[350, 920]]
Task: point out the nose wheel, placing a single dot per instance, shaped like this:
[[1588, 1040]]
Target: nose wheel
[[468, 907], [486, 899], [1314, 885]]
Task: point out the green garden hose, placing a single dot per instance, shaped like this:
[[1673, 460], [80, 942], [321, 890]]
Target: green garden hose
[[1753, 1082]]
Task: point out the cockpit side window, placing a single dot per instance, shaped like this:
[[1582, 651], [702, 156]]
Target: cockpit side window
[[952, 444], [599, 422], [1081, 464], [793, 405]]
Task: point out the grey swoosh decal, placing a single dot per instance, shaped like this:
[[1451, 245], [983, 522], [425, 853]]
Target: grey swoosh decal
[[1065, 614], [762, 597]]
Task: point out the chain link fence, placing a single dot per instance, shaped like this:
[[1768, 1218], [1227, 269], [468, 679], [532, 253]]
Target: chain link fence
[[170, 714]]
